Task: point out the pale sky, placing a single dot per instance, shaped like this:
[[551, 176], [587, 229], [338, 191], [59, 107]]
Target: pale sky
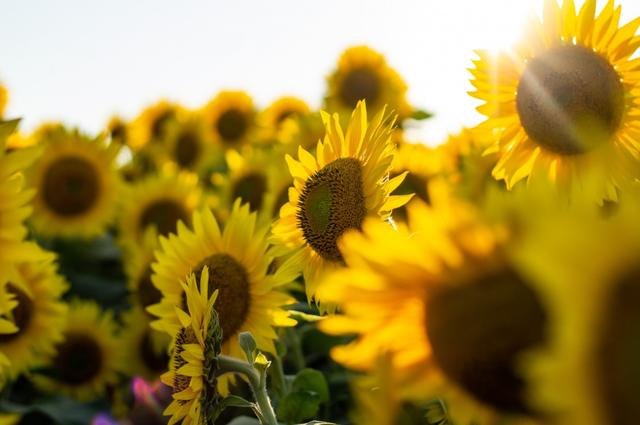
[[81, 61]]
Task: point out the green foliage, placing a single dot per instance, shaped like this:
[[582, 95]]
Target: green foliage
[[298, 406]]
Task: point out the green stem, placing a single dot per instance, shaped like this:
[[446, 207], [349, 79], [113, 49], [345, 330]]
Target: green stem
[[278, 374], [258, 384]]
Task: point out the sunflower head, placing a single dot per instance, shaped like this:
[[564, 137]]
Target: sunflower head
[[77, 185], [563, 104], [118, 130], [153, 123], [274, 119], [145, 350], [334, 191], [230, 118], [363, 74]]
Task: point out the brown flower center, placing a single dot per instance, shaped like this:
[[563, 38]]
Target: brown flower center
[[332, 201], [164, 215], [570, 100], [618, 369], [231, 280], [70, 186], [22, 314], [181, 382], [480, 355], [187, 149], [251, 188], [119, 133], [358, 84], [79, 359], [232, 125], [154, 361]]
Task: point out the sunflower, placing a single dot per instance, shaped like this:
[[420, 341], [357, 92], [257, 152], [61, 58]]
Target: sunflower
[[137, 259], [421, 164], [3, 99], [334, 191], [238, 258], [448, 300], [230, 118], [39, 315], [363, 74], [158, 201], [197, 345], [14, 208], [588, 374], [144, 349], [77, 185], [87, 360], [255, 177], [152, 125], [273, 119], [118, 131], [565, 102]]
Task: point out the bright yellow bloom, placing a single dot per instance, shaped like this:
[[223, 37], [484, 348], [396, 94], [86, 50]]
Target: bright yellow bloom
[[151, 126], [3, 99], [334, 191], [564, 103], [274, 118], [230, 118]]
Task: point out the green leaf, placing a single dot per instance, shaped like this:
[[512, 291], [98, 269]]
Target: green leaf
[[236, 401], [304, 317], [420, 114], [248, 345], [313, 381], [298, 406]]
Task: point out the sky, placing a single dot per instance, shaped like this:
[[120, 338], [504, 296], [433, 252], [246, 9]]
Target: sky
[[82, 61]]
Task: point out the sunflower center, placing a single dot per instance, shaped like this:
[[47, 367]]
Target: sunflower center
[[358, 84], [570, 100], [412, 183], [185, 336], [618, 367], [251, 188], [148, 294], [159, 125], [22, 314], [284, 115], [164, 215], [231, 125], [79, 359], [71, 186], [480, 355], [156, 362], [231, 280], [332, 201], [187, 149], [119, 133]]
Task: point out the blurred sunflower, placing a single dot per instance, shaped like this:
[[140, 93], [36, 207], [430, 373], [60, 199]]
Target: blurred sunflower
[[565, 102], [363, 74], [589, 373], [230, 117], [14, 208], [3, 99], [137, 259], [87, 360], [194, 357], [272, 120], [118, 131], [152, 125], [418, 294], [77, 185], [39, 314], [334, 191], [158, 201], [304, 131], [249, 298], [144, 349]]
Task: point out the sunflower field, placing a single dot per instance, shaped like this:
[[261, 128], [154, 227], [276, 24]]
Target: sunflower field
[[232, 264]]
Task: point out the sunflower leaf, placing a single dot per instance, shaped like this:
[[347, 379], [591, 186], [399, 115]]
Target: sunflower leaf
[[248, 345]]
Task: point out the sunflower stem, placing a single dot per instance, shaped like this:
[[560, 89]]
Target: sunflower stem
[[257, 381]]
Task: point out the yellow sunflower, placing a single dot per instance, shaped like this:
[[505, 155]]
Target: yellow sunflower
[[158, 201], [14, 208], [194, 354], [363, 74], [273, 119], [151, 126], [118, 131], [565, 102], [3, 99], [39, 314], [87, 360], [448, 301], [588, 374], [238, 258], [77, 185], [230, 117], [334, 191], [145, 350]]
